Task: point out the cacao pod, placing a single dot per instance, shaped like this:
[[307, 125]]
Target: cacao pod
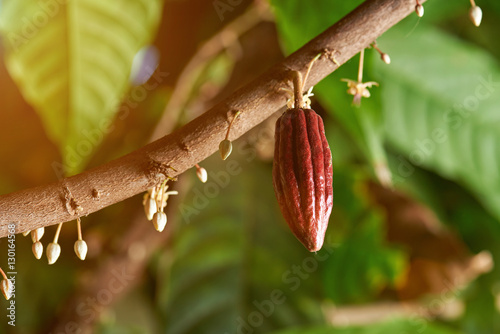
[[303, 175]]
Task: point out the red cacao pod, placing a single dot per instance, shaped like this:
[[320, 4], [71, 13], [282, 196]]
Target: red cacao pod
[[303, 174]]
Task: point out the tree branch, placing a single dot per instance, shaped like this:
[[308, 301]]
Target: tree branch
[[136, 172], [96, 274]]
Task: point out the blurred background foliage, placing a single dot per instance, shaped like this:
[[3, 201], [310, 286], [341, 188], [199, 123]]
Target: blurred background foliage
[[77, 91]]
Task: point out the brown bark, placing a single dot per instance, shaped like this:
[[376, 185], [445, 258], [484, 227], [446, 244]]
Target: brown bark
[[136, 172]]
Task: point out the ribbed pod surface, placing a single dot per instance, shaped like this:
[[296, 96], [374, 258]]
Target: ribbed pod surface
[[303, 175]]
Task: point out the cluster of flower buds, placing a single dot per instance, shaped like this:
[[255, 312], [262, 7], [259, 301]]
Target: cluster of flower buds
[[37, 247], [290, 103], [155, 201], [6, 286], [54, 249]]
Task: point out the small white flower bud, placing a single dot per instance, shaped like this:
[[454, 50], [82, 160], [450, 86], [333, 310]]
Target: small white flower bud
[[159, 220], [81, 249], [385, 57], [150, 208], [419, 9], [225, 148], [202, 174], [476, 15], [37, 249], [53, 252], [7, 287], [37, 234]]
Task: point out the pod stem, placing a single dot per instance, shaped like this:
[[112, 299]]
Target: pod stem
[[299, 83], [297, 90]]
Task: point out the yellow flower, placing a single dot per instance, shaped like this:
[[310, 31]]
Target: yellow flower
[[358, 89]]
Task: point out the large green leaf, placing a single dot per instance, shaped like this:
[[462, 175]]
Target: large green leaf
[[440, 99], [72, 61], [233, 254], [363, 264]]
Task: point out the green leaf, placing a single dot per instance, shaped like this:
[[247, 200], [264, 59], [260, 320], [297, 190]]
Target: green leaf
[[440, 103], [72, 62], [362, 264], [415, 325], [233, 254]]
